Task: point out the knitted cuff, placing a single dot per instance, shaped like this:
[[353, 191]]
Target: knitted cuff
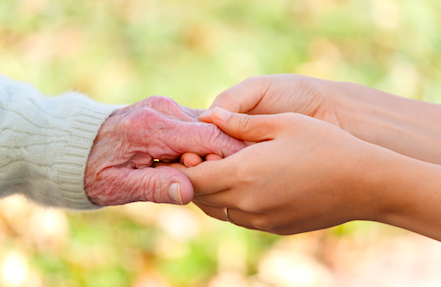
[[70, 168]]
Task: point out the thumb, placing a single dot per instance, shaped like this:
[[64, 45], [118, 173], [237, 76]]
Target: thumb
[[253, 128], [160, 184], [165, 184]]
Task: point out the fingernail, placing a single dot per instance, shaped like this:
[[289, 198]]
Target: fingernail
[[206, 114], [222, 114], [184, 163], [175, 192]]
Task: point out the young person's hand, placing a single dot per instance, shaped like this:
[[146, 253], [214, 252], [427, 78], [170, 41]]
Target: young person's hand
[[277, 94], [303, 174], [406, 126]]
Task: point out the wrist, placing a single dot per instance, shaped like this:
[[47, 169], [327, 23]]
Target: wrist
[[384, 174], [354, 113], [374, 116], [405, 194], [370, 183]]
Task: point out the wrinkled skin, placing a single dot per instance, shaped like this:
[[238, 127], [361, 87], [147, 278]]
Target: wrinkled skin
[[119, 169]]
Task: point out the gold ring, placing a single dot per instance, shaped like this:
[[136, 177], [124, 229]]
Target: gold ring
[[227, 218]]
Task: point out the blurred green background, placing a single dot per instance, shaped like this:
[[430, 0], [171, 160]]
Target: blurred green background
[[121, 51]]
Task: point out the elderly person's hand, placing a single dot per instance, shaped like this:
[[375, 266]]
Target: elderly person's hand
[[119, 169]]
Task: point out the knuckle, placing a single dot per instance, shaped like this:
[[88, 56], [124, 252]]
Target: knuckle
[[243, 175], [209, 131], [211, 134], [156, 99], [153, 188], [249, 205], [262, 222], [212, 140], [258, 84], [146, 102], [245, 206], [154, 102], [163, 102], [307, 86], [224, 98], [128, 121], [244, 122], [143, 121]]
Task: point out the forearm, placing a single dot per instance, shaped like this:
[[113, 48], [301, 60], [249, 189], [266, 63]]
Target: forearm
[[410, 195], [45, 143], [409, 127]]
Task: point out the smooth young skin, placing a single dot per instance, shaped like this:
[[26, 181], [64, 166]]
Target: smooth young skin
[[119, 169], [406, 126], [304, 174], [298, 177]]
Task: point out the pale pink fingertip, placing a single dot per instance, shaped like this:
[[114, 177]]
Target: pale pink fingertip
[[206, 116], [175, 192], [212, 157], [222, 114]]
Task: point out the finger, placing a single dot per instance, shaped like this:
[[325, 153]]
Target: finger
[[190, 159], [205, 176], [233, 198], [246, 127], [182, 168], [210, 176], [193, 112], [206, 116], [163, 138], [212, 157], [219, 199], [162, 184], [204, 139], [237, 217]]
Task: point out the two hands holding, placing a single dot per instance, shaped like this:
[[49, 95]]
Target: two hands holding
[[286, 154]]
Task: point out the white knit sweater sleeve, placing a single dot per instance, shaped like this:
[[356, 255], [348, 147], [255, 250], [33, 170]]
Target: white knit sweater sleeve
[[45, 143]]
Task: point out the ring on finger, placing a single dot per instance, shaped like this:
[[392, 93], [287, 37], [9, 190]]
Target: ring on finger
[[227, 218]]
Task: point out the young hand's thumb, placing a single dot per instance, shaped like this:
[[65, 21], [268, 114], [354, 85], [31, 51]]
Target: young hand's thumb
[[252, 128]]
